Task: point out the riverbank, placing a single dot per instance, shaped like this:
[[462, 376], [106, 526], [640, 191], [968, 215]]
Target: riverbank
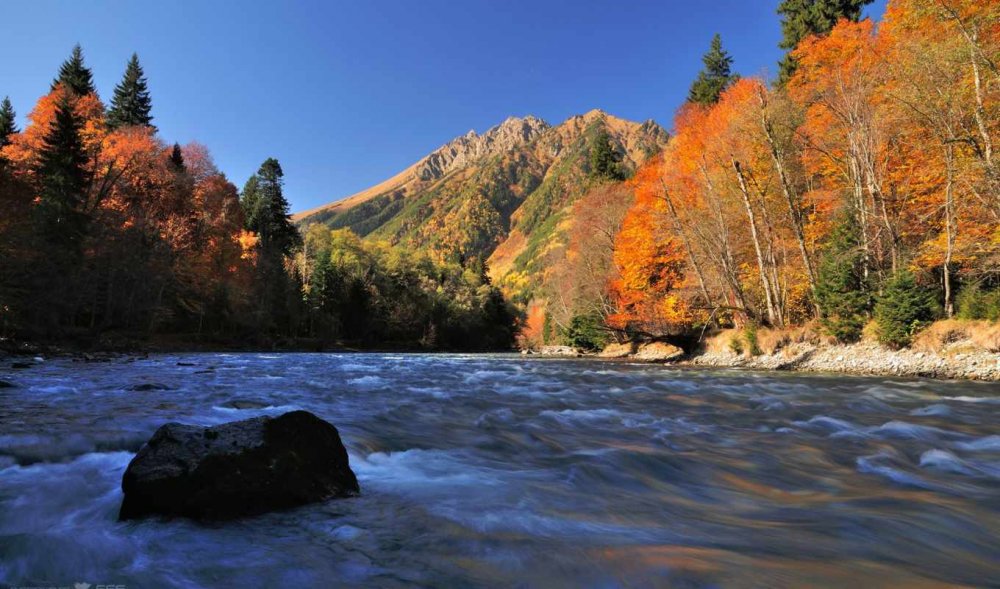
[[862, 358], [950, 349], [966, 350], [958, 350]]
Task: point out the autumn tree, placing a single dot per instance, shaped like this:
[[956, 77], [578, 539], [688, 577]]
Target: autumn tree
[[651, 266], [944, 155], [714, 77], [848, 134], [76, 76], [581, 271], [131, 104], [802, 18]]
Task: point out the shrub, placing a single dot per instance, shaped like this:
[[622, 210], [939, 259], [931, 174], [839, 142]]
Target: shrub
[[587, 332], [975, 303], [736, 344], [750, 335], [903, 309]]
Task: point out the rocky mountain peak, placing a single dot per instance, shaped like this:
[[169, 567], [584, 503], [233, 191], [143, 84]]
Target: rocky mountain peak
[[472, 147]]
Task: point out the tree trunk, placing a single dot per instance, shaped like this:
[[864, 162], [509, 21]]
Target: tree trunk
[[949, 307], [761, 266], [791, 198], [729, 271]]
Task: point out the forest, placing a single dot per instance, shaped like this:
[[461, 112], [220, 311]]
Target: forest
[[110, 234], [859, 188], [858, 191]]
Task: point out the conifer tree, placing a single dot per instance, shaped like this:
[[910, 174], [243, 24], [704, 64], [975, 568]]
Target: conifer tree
[[131, 105], [715, 77], [801, 18], [266, 209], [75, 75], [177, 157], [63, 178], [604, 160], [903, 309], [841, 292], [7, 126]]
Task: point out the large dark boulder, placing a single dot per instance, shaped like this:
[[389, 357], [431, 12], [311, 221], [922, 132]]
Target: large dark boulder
[[236, 469]]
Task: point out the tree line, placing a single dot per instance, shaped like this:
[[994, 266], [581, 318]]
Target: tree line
[[861, 185], [107, 230]]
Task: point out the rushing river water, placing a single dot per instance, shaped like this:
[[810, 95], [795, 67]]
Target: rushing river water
[[500, 471]]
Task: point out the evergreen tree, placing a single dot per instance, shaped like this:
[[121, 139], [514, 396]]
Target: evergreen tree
[[715, 77], [7, 126], [604, 159], [266, 213], [131, 104], [903, 309], [586, 332], [63, 178], [841, 291], [177, 157], [74, 75], [324, 297], [801, 18], [266, 209]]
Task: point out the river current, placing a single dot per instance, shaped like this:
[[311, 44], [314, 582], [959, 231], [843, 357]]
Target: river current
[[505, 471]]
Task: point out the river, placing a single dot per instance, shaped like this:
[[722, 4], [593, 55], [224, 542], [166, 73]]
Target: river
[[502, 470]]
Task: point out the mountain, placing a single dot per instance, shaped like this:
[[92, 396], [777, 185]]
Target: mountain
[[501, 198]]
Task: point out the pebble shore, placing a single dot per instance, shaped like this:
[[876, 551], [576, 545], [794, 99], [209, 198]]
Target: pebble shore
[[862, 358]]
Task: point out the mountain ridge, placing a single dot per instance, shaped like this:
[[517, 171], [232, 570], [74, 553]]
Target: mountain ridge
[[498, 200], [456, 153]]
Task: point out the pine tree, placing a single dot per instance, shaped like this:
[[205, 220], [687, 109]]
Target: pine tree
[[266, 209], [715, 77], [802, 18], [604, 160], [841, 291], [177, 157], [63, 178], [131, 104], [7, 126], [74, 75], [903, 309]]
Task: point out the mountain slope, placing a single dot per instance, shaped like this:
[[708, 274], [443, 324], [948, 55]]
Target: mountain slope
[[498, 198]]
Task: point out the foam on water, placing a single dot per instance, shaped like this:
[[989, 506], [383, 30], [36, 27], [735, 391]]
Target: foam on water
[[367, 381]]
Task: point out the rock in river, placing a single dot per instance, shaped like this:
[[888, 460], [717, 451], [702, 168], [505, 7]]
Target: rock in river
[[236, 469], [658, 352]]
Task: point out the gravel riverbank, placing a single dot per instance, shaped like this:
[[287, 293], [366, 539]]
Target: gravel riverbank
[[862, 358]]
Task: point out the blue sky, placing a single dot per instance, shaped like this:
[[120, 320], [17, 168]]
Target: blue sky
[[346, 94]]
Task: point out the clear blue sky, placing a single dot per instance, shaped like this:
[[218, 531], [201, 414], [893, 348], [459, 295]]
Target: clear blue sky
[[346, 94]]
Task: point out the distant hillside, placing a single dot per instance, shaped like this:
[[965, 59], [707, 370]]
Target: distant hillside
[[502, 197]]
